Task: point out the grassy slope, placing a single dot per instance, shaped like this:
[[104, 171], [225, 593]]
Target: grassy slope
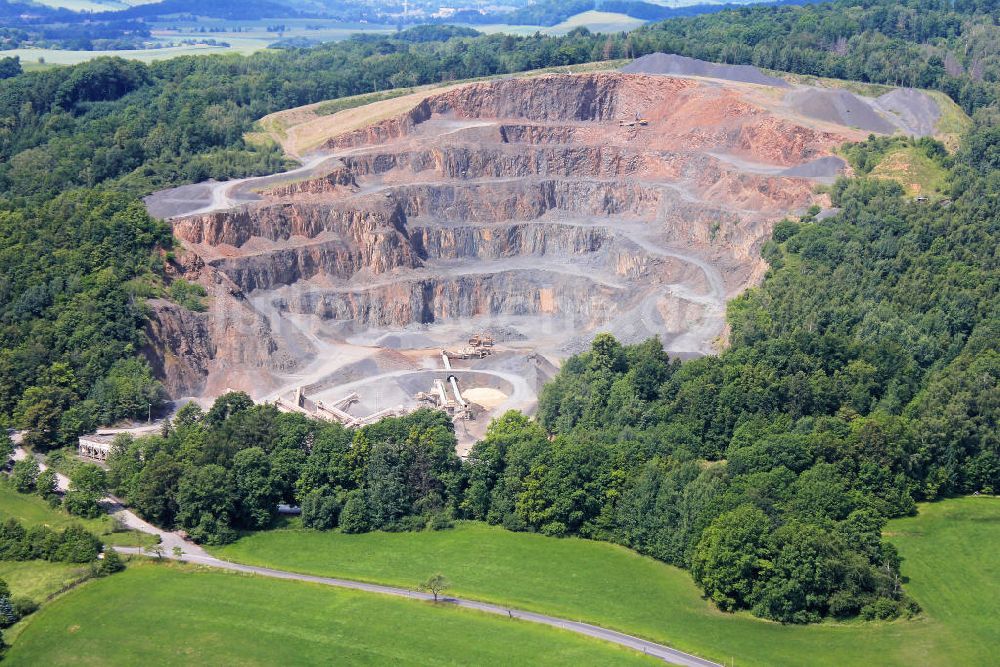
[[612, 586], [954, 572], [38, 580], [911, 168], [953, 122], [31, 510], [162, 614]]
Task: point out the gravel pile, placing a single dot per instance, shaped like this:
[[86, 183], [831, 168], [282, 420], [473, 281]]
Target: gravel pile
[[839, 106], [503, 334], [664, 63], [824, 167], [917, 111], [178, 201]]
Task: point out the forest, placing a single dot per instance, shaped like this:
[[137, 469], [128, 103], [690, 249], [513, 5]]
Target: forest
[[861, 377]]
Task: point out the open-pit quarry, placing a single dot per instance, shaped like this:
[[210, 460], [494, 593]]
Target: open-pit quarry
[[502, 222]]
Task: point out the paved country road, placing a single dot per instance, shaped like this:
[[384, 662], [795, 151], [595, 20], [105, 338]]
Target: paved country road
[[192, 553], [660, 651]]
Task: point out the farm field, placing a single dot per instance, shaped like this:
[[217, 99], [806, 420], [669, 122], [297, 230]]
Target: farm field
[[617, 588], [30, 57], [596, 21], [93, 5], [592, 20], [171, 614], [252, 37], [246, 37], [31, 510]]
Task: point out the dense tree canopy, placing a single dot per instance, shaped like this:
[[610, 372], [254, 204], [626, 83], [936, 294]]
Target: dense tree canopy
[[230, 468]]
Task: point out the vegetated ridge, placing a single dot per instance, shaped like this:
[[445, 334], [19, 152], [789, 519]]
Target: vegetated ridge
[[183, 121]]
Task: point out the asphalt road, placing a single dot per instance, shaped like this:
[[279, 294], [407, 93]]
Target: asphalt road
[[116, 508], [665, 653], [192, 553]]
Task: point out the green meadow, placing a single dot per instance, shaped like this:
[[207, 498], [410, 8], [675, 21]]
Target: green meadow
[[950, 561], [163, 614]]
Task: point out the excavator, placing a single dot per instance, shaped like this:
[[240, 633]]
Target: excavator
[[639, 121]]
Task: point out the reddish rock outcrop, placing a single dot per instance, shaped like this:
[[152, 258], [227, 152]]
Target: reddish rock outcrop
[[629, 203]]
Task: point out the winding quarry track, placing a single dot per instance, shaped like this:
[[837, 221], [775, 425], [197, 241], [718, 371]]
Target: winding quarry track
[[533, 208]]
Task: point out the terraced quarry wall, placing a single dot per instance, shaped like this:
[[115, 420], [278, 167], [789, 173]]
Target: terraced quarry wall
[[543, 209]]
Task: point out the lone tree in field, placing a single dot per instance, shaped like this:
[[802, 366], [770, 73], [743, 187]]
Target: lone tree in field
[[435, 584]]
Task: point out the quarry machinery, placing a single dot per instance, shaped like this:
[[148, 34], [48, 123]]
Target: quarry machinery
[[457, 407], [481, 340], [335, 411], [480, 346], [639, 121]]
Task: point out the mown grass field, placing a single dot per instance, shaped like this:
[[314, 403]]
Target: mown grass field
[[38, 580], [31, 510], [162, 614], [615, 587], [952, 563]]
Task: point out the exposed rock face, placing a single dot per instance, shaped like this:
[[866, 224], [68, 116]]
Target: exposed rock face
[[508, 240], [282, 221], [504, 162], [187, 349], [517, 200], [435, 299], [334, 182], [181, 347]]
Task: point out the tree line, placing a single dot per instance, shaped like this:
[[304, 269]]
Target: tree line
[[228, 469]]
